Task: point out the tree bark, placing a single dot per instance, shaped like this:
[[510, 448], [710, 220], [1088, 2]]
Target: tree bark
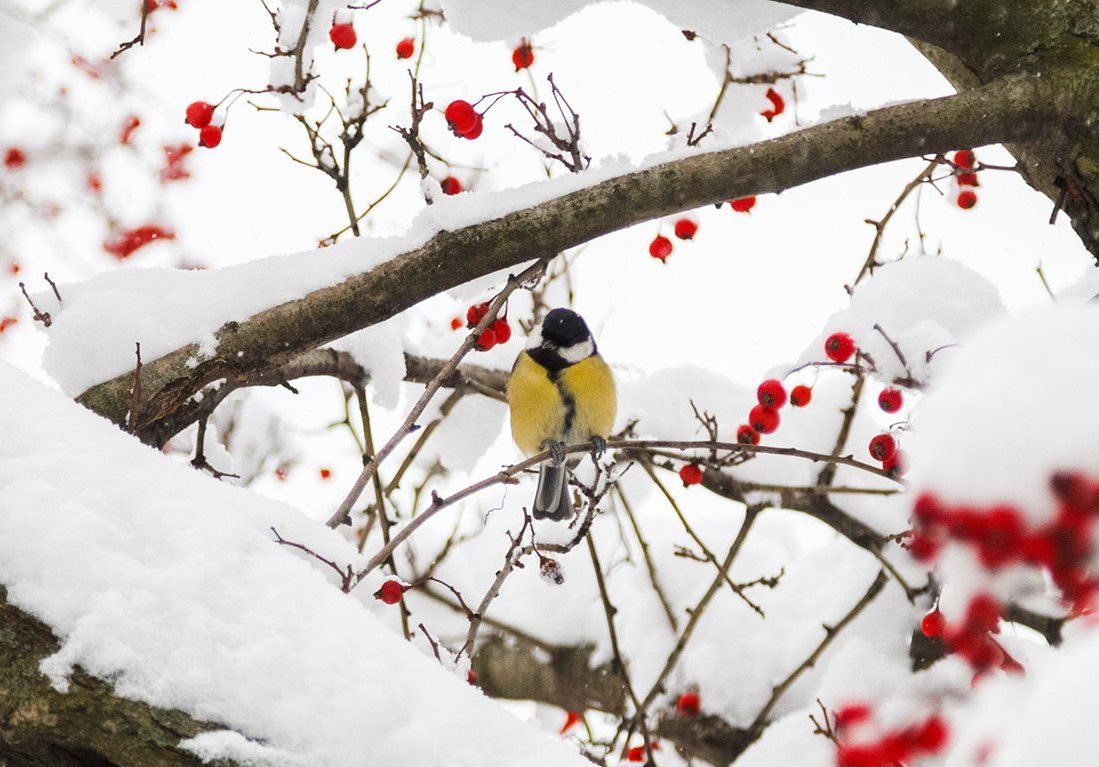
[[89, 726], [1013, 109]]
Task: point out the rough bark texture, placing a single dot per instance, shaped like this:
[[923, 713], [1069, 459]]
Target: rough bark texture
[[86, 727], [1014, 109]]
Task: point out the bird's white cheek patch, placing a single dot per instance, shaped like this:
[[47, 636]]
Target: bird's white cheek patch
[[577, 352]]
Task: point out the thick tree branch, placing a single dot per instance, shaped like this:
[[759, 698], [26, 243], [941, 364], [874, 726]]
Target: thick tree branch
[[1009, 110], [86, 727]]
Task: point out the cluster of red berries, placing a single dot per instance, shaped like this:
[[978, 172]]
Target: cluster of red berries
[[965, 178], [661, 247], [499, 332], [122, 244], [972, 637], [14, 158], [764, 417], [523, 55], [892, 748], [688, 704], [391, 592], [201, 115], [463, 120], [342, 34], [406, 48], [778, 105], [1001, 537]]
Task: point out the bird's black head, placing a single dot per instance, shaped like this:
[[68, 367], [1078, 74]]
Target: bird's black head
[[564, 328]]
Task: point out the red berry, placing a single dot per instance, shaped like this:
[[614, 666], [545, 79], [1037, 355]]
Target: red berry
[[471, 677], [852, 714], [746, 435], [660, 247], [923, 548], [965, 158], [801, 396], [199, 114], [983, 614], [839, 347], [209, 137], [771, 393], [743, 205], [967, 179], [685, 229], [572, 718], [763, 419], [487, 339], [461, 117], [778, 105], [890, 400], [455, 323], [343, 36], [883, 446], [896, 465], [326, 473], [15, 158], [13, 268], [967, 199], [280, 474], [635, 754], [502, 330], [860, 755], [451, 185], [390, 592], [7, 322], [475, 314], [523, 56], [405, 48], [932, 735], [691, 474], [933, 624], [475, 131], [688, 704]]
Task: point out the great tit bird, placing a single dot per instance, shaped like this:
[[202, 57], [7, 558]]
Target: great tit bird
[[560, 391]]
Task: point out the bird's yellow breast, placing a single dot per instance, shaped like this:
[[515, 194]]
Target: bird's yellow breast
[[574, 405]]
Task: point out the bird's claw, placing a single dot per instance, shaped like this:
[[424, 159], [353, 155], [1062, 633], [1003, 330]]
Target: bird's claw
[[598, 447], [557, 451]]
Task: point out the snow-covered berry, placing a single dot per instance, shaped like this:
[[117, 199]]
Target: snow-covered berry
[[743, 204]]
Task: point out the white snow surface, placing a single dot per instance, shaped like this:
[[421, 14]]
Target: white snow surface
[[720, 21], [168, 583], [99, 320], [922, 303]]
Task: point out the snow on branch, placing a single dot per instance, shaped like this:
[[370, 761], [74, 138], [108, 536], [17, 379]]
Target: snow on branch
[[1007, 110]]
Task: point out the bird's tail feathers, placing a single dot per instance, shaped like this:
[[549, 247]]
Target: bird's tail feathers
[[551, 499]]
